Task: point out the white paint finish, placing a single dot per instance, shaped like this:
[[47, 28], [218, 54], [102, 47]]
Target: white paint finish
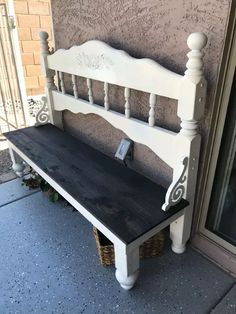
[[176, 234], [155, 138], [106, 101], [152, 103], [177, 188], [196, 42], [42, 116], [127, 104], [126, 282], [98, 61], [74, 84], [55, 116], [180, 229], [62, 83], [192, 99], [190, 110], [127, 262], [90, 91], [19, 67], [193, 88], [127, 265], [18, 168]]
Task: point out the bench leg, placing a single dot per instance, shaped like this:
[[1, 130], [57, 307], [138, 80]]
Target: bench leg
[[127, 266], [180, 231], [18, 168]]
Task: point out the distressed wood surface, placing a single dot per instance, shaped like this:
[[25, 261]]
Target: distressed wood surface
[[127, 203], [99, 61], [155, 137]]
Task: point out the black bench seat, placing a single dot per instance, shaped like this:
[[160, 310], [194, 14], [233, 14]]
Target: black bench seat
[[127, 203]]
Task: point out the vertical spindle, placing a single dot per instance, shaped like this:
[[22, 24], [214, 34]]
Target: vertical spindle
[[106, 102], [152, 103], [62, 83], [127, 104], [75, 88], [90, 91]]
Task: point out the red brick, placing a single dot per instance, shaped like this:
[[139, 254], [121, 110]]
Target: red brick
[[24, 33], [30, 46], [21, 7], [45, 21], [35, 32], [27, 58], [42, 81], [28, 20], [31, 82], [38, 8], [33, 70]]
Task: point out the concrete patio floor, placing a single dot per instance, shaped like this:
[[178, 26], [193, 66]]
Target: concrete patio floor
[[49, 264]]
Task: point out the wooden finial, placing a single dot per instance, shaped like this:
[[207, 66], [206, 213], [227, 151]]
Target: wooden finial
[[196, 42], [44, 43]]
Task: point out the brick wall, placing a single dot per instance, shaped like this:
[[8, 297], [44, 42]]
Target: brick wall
[[32, 16]]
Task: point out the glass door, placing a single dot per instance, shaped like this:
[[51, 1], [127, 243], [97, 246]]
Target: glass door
[[221, 216]]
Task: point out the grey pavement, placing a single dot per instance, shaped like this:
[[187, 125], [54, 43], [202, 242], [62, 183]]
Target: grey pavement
[[49, 264]]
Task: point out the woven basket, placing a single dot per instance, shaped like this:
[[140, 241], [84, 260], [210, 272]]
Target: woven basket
[[151, 248]]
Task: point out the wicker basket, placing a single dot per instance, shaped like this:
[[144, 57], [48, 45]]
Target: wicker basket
[[151, 248]]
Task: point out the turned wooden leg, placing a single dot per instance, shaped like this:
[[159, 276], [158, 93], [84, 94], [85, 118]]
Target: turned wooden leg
[[127, 266], [18, 168], [180, 231]]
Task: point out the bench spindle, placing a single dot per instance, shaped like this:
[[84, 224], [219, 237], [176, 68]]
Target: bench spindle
[[106, 101], [90, 91], [62, 83], [127, 103], [74, 84], [152, 103]]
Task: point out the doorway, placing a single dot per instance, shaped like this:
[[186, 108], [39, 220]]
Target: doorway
[[221, 216]]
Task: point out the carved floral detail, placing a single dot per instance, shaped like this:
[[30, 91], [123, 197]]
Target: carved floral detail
[[42, 116], [176, 190], [98, 62]]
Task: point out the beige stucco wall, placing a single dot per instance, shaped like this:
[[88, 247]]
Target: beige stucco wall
[[144, 28]]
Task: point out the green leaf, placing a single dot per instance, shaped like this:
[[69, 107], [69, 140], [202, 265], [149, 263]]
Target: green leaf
[[55, 196]]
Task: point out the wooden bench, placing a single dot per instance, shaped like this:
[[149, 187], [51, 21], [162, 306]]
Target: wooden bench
[[125, 206]]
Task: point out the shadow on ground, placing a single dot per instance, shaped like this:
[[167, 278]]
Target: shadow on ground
[[49, 264]]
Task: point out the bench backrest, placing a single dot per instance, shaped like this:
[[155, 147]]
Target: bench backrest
[[95, 60]]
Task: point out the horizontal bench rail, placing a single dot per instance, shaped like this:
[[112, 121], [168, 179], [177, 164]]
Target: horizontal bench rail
[[153, 137]]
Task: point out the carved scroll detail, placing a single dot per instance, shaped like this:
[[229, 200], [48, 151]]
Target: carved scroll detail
[[42, 116], [176, 190]]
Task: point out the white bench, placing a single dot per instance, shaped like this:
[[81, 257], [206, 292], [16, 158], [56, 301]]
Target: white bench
[[125, 206]]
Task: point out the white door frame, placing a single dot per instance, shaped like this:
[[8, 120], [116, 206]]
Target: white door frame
[[206, 241], [18, 60]]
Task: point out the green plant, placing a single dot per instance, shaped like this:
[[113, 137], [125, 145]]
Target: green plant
[[33, 181]]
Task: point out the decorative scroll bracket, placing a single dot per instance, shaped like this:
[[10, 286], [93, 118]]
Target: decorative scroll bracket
[[42, 116], [176, 189]]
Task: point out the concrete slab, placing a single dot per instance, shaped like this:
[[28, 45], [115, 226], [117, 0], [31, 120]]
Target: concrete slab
[[227, 304], [7, 176], [49, 264], [13, 190]]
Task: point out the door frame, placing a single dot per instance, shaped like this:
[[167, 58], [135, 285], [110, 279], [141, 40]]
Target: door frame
[[211, 245]]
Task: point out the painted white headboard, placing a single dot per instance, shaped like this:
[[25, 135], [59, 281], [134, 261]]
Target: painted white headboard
[[95, 60]]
